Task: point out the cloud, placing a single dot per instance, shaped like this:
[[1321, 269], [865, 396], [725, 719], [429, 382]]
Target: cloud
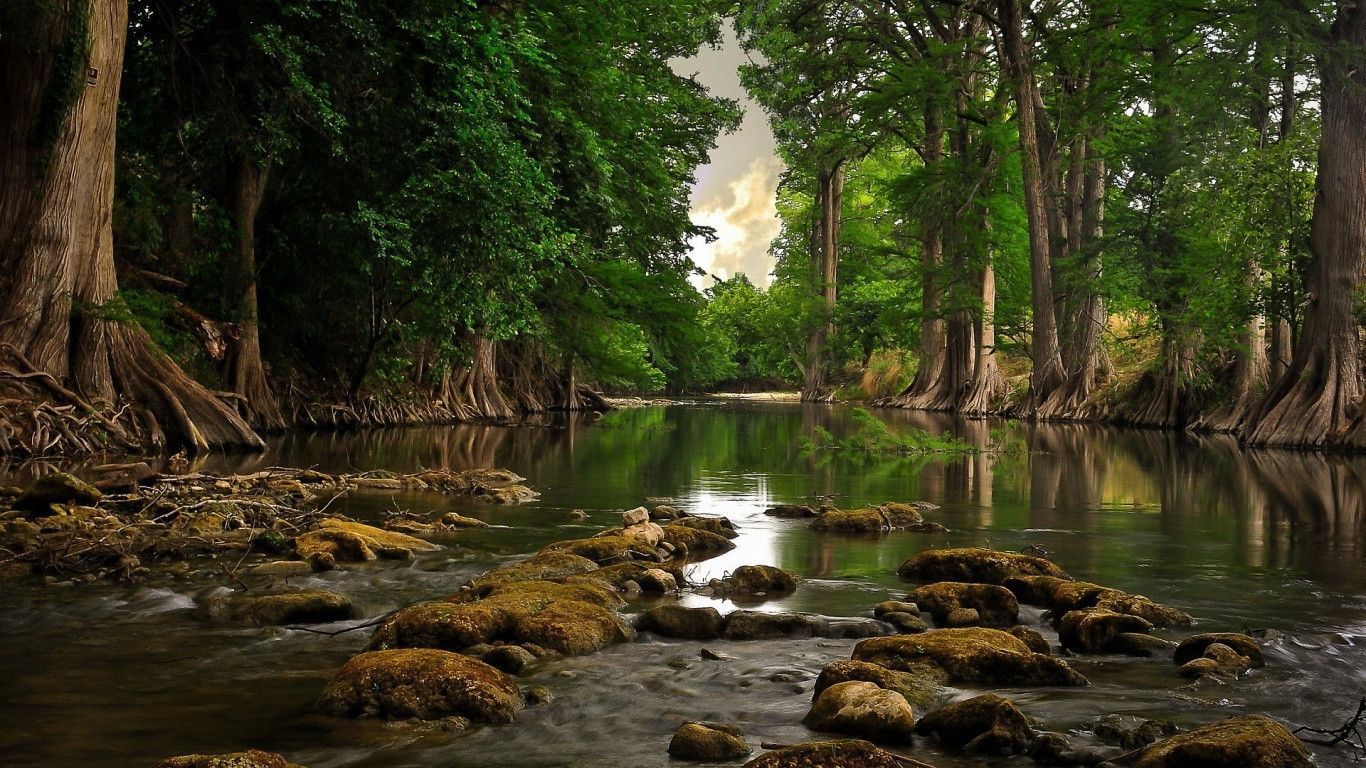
[[745, 217]]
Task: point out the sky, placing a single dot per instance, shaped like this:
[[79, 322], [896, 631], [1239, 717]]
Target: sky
[[736, 192]]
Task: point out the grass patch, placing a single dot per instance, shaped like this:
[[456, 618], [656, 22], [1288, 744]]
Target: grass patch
[[873, 437]]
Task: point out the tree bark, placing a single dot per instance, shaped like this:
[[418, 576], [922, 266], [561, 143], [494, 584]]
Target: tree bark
[[1318, 399], [472, 392], [825, 264], [1047, 374], [246, 375], [987, 386], [59, 291]]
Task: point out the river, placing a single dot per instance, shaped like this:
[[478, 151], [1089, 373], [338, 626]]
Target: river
[[118, 675]]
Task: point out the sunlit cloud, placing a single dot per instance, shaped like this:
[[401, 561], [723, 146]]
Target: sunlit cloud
[[745, 217]]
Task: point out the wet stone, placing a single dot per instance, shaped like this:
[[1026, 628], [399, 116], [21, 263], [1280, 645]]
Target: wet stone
[[708, 743], [423, 683], [1241, 742], [791, 511], [972, 655], [1194, 647], [1092, 630], [754, 625], [303, 607], [863, 709], [55, 488], [846, 753], [986, 724], [975, 565], [917, 689], [252, 758], [681, 622], [958, 604]]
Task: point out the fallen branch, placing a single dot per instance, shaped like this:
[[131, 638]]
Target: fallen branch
[[1348, 733]]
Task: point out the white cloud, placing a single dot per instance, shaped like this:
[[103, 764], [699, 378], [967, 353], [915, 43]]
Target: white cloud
[[745, 217]]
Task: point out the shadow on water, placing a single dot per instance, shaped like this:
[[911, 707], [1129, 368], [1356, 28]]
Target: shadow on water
[[115, 675]]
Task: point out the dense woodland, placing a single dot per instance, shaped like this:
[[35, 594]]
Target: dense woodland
[[223, 217]]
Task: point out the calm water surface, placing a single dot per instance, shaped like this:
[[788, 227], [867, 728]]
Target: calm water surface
[[108, 675]]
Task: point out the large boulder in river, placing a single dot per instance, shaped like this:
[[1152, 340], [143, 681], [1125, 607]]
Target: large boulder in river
[[972, 564], [708, 743], [673, 620], [717, 525], [252, 758], [55, 488], [973, 655], [346, 540], [960, 604], [543, 566], [1251, 741], [918, 689], [1063, 595], [1194, 647], [572, 619], [313, 606], [857, 708], [1093, 630], [695, 542], [891, 516], [421, 683], [986, 724], [844, 753], [749, 582], [757, 625]]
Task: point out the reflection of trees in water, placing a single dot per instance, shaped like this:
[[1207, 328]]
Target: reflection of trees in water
[[1315, 503]]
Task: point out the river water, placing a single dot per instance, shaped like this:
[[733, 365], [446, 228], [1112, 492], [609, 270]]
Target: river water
[[116, 675]]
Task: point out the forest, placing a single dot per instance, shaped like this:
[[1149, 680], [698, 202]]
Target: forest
[[221, 218]]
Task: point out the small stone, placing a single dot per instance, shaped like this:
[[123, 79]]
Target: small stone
[[1139, 644], [1032, 638], [657, 581], [895, 606], [708, 742], [537, 694], [791, 511], [454, 520], [905, 623], [511, 659], [635, 516]]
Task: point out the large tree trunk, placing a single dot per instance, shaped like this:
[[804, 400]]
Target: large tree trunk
[[825, 264], [246, 375], [932, 331], [472, 392], [59, 90], [1166, 397], [987, 387], [1319, 397], [1047, 374]]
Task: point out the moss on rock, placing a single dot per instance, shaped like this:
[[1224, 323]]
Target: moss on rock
[[55, 488], [302, 607], [971, 655], [252, 758], [708, 743], [994, 606], [346, 540], [1094, 630], [986, 724], [1194, 647], [421, 683], [1251, 741], [860, 708], [975, 565], [918, 688], [842, 753], [673, 620]]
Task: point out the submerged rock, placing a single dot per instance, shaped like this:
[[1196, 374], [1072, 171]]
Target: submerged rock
[[918, 689], [905, 623], [422, 683], [55, 488], [1218, 661], [791, 511], [1063, 595], [455, 520], [1194, 647], [974, 655], [708, 743], [975, 565], [252, 758], [345, 540], [694, 541], [1241, 742], [543, 566], [986, 724], [1131, 733], [891, 516], [845, 753], [1093, 630], [959, 604], [681, 622], [1138, 644], [314, 606], [863, 709]]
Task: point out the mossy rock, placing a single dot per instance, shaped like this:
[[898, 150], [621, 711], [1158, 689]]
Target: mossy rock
[[880, 519], [695, 542], [1251, 741], [1030, 637], [749, 581], [55, 488], [1064, 595], [757, 625], [1219, 661], [972, 655], [602, 550], [252, 758], [1094, 630], [346, 540], [1194, 647], [313, 606], [571, 619], [619, 574], [986, 724], [717, 525], [708, 743], [673, 620], [975, 565], [421, 683], [946, 601], [843, 753], [791, 511], [539, 567], [867, 710], [918, 688]]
